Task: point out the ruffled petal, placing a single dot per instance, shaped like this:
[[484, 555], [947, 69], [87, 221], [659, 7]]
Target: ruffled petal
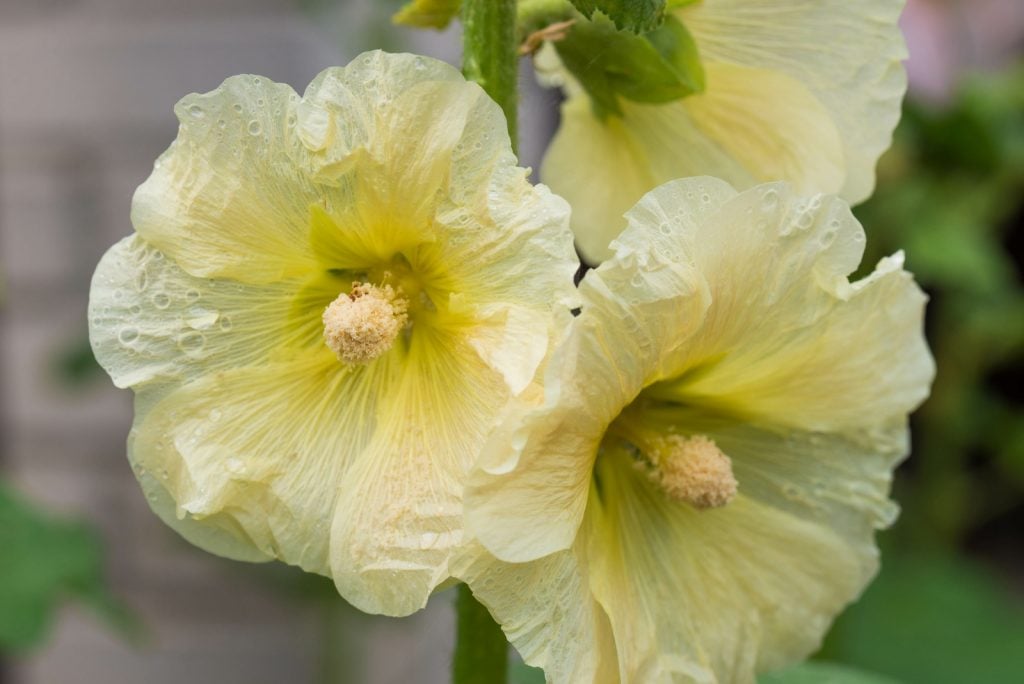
[[149, 320], [711, 596], [787, 338], [224, 200], [846, 54], [528, 494], [400, 514], [257, 453], [546, 610]]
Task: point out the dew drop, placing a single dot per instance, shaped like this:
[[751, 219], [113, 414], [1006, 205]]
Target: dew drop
[[199, 318], [192, 296], [196, 112], [192, 343], [127, 335], [135, 309], [255, 128], [161, 300], [225, 323], [237, 107]]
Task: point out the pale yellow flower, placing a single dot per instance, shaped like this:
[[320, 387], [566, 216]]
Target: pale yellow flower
[[806, 91], [328, 303], [696, 498]]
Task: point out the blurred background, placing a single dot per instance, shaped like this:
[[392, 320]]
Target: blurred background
[[94, 589]]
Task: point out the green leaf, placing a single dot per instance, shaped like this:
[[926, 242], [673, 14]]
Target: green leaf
[[521, 673], [657, 67], [44, 561], [436, 14], [630, 15], [823, 673], [933, 618]]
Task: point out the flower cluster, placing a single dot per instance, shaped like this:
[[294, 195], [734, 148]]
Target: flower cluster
[[356, 345]]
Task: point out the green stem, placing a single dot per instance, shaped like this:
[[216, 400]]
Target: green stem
[[481, 652], [489, 52]]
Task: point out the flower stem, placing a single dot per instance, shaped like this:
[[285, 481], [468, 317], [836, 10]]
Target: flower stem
[[481, 652], [489, 52]]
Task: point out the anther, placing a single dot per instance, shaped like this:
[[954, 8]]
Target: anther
[[694, 470], [361, 325]]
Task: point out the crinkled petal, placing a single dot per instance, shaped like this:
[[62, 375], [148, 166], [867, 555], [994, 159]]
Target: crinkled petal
[[529, 492], [546, 610], [847, 54], [224, 199], [258, 452], [787, 338], [150, 320], [711, 596], [400, 513]]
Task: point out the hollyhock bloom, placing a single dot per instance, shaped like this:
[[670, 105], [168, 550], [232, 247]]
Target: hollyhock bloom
[[327, 304], [806, 91], [697, 495]]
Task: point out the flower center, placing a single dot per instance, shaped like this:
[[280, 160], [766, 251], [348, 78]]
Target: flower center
[[359, 326], [692, 469]]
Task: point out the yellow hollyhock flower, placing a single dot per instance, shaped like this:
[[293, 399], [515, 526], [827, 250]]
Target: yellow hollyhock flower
[[696, 498], [806, 91], [328, 302]]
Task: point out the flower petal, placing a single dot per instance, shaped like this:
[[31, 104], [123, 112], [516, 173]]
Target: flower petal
[[546, 610], [223, 200], [400, 514], [150, 320], [780, 104], [721, 132], [256, 453], [837, 479], [847, 55], [716, 595], [527, 497], [232, 195], [787, 338]]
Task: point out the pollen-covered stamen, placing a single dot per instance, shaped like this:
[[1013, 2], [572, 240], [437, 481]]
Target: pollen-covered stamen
[[693, 469], [361, 325]]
